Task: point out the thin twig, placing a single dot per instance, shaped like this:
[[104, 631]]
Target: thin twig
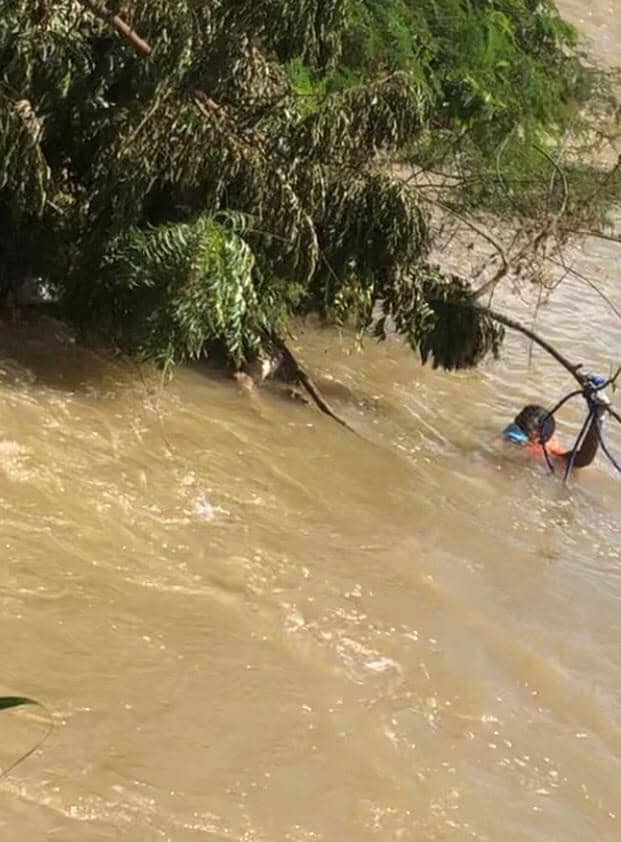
[[596, 234], [535, 315], [473, 227], [612, 381], [589, 282], [499, 175], [490, 286], [561, 172], [611, 411], [504, 267]]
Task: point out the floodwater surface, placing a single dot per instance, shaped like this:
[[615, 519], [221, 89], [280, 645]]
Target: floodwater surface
[[249, 624]]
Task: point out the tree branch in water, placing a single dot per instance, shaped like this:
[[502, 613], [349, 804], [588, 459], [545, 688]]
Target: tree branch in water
[[573, 369], [302, 375], [539, 340]]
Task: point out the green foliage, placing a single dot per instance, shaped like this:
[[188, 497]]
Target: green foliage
[[502, 78], [374, 236], [489, 64], [170, 291], [459, 335], [25, 173], [438, 317], [238, 175], [15, 702]]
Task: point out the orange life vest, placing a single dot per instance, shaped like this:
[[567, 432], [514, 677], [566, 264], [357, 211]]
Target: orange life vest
[[553, 447]]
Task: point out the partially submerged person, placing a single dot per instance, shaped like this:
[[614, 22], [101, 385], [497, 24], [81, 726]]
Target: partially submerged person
[[533, 429]]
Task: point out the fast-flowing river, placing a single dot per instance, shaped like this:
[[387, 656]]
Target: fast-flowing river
[[249, 624]]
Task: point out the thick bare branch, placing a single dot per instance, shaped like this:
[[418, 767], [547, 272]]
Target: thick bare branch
[[119, 25], [574, 370], [302, 375]]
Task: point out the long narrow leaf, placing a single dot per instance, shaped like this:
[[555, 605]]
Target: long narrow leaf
[[7, 702], [15, 702]]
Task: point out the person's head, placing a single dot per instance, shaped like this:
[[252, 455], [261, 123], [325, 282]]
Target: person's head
[[532, 424]]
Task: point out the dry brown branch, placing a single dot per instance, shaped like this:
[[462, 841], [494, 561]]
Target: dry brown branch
[[302, 375], [119, 25]]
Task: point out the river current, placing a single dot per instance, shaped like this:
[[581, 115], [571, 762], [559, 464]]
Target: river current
[[249, 624]]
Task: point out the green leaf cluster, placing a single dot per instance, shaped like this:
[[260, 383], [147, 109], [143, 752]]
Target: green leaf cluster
[[170, 291], [488, 65]]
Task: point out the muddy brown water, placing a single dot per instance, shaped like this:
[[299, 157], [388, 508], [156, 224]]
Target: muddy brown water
[[249, 624]]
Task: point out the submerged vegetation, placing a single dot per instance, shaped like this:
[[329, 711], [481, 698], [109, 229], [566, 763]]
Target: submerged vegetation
[[9, 702], [179, 175]]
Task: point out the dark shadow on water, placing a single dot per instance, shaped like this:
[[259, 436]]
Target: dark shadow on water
[[41, 350], [212, 368]]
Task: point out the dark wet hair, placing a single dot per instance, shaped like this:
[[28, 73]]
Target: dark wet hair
[[536, 419]]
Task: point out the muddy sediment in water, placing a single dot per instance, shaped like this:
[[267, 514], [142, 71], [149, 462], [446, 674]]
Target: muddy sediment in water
[[249, 624]]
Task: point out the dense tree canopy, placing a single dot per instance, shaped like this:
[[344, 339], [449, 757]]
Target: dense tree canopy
[[238, 172]]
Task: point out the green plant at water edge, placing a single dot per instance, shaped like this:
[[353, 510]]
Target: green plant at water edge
[[239, 171], [171, 290]]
